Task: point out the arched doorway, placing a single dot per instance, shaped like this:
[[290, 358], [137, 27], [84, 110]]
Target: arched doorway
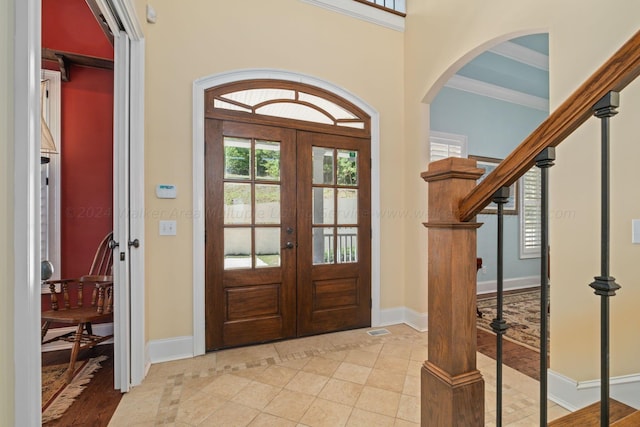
[[287, 213]]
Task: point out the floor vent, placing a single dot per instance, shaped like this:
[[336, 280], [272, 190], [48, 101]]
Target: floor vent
[[378, 332]]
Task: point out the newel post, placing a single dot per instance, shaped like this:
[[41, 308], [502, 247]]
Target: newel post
[[452, 387]]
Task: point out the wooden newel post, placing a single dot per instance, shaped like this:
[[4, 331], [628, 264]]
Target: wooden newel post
[[452, 387]]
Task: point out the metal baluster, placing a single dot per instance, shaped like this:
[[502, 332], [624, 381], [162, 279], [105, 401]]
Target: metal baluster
[[605, 285], [498, 324], [544, 161]]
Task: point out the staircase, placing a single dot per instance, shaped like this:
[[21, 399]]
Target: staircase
[[619, 415], [452, 386]]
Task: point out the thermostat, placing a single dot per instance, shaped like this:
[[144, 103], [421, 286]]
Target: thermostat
[[166, 191]]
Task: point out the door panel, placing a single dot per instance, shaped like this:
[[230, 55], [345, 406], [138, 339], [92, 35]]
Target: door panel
[[334, 233], [288, 243], [250, 268]]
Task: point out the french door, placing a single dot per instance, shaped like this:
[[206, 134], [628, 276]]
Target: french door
[[287, 233]]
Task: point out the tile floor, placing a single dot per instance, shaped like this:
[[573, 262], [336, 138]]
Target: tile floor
[[341, 379]]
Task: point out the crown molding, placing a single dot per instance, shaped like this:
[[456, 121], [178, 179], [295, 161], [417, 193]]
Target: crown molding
[[522, 54], [478, 87]]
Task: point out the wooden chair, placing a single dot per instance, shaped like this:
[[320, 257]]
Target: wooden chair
[[99, 281]]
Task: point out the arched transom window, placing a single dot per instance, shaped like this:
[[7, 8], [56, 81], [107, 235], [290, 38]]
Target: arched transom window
[[286, 100]]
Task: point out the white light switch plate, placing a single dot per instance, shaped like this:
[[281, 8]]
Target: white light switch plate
[[167, 228], [635, 231]]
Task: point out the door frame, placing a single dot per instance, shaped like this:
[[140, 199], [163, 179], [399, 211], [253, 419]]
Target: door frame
[[199, 88], [26, 264]]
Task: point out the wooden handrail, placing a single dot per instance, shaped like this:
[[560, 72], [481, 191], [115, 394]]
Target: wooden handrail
[[615, 74]]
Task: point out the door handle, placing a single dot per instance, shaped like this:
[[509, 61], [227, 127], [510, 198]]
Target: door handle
[[288, 245], [113, 244], [135, 243]]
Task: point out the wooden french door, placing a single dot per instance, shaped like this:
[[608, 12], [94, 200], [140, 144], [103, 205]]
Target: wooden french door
[[287, 233]]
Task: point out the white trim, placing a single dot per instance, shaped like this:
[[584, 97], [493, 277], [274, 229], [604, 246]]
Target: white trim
[[497, 92], [100, 329], [522, 54], [199, 86], [574, 395], [170, 349], [136, 218], [127, 14], [489, 286], [361, 11], [406, 315], [26, 222]]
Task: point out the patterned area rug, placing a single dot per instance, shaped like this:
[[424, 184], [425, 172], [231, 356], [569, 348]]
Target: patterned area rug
[[57, 395], [521, 311]]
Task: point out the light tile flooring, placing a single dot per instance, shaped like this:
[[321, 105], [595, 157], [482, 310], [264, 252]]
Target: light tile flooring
[[341, 379]]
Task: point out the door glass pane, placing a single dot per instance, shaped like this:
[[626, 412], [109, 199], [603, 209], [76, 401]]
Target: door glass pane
[[237, 248], [322, 165], [268, 160], [267, 247], [347, 206], [347, 167], [322, 205], [323, 245], [237, 158], [347, 247], [267, 204], [237, 203]]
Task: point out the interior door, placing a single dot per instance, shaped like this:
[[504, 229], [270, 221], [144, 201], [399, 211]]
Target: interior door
[[250, 242], [334, 233], [121, 208]]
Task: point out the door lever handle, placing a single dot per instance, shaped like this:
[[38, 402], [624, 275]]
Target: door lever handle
[[288, 245]]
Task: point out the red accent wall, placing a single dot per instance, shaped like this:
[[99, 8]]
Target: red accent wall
[[87, 134]]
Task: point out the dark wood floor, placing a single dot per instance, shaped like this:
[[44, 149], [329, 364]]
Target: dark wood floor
[[97, 403], [515, 356]]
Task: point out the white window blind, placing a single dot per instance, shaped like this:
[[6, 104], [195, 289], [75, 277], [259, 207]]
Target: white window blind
[[50, 236], [44, 212], [443, 145], [530, 214]]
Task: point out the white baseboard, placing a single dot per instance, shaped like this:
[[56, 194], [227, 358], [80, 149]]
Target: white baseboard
[[98, 329], [393, 316], [170, 349], [574, 395], [508, 284]]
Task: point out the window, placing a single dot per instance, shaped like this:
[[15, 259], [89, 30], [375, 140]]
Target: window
[[443, 145], [530, 216], [387, 13], [394, 6], [50, 178]]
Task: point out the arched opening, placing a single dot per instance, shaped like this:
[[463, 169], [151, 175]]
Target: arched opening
[[294, 199]]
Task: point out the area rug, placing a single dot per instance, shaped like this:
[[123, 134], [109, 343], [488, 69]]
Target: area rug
[[521, 311], [57, 395]]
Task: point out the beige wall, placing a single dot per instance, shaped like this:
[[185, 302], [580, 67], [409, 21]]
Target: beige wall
[[6, 214], [208, 37], [583, 34]]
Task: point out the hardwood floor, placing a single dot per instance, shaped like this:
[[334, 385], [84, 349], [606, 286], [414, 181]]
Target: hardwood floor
[[97, 403], [515, 356]]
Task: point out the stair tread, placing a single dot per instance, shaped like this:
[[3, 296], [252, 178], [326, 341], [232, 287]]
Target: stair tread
[[632, 420], [590, 415]]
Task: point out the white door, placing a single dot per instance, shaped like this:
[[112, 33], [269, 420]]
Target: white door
[[121, 214]]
